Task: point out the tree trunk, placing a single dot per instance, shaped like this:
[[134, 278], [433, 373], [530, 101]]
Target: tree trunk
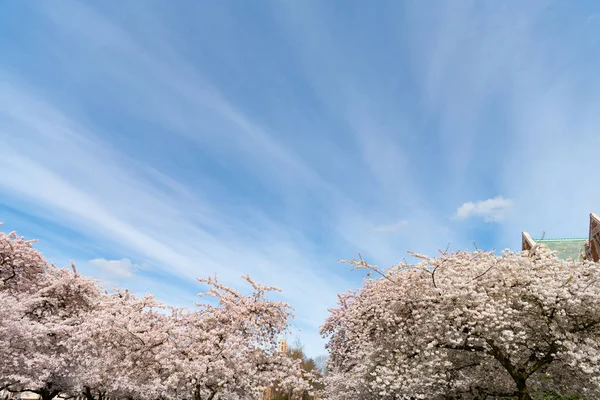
[[47, 393], [88, 394], [523, 394]]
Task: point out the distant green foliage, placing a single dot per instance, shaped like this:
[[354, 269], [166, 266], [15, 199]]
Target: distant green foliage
[[553, 396]]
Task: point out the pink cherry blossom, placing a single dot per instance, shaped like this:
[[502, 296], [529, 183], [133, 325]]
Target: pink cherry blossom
[[468, 325], [61, 334]]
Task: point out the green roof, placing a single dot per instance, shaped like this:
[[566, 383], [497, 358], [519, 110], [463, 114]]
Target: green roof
[[566, 248]]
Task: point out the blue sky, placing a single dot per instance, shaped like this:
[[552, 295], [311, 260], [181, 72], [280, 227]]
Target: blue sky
[[154, 143]]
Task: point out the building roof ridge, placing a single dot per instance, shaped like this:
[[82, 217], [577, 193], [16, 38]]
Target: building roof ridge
[[560, 239]]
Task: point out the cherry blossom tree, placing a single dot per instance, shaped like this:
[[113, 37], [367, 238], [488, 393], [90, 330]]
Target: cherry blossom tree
[[52, 314], [115, 348], [312, 375], [468, 325], [22, 268], [60, 333], [22, 275], [40, 304], [229, 350], [13, 339]]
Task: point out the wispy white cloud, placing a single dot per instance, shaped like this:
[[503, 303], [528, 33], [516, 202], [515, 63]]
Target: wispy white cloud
[[491, 210], [214, 144], [516, 99], [122, 268], [108, 197], [144, 213], [384, 177], [392, 227]]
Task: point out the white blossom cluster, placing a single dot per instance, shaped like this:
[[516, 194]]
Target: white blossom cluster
[[468, 325], [60, 333]]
